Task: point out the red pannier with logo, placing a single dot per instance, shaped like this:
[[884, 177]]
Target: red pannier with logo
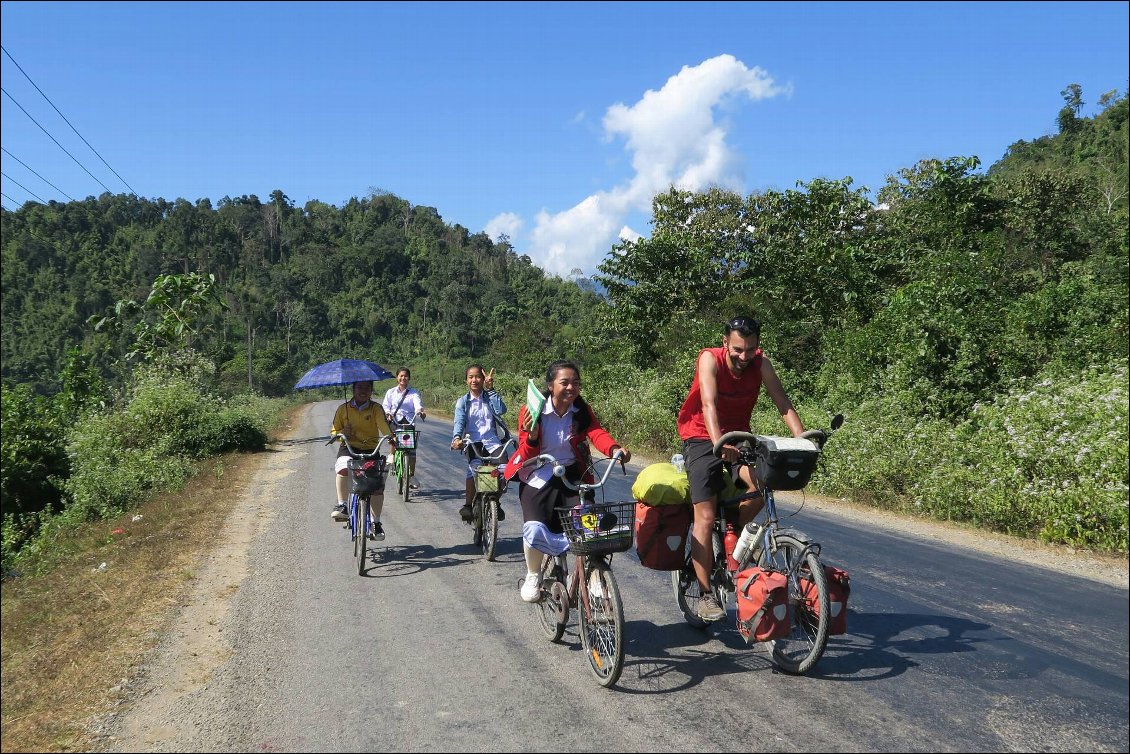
[[839, 588], [763, 605], [661, 535]]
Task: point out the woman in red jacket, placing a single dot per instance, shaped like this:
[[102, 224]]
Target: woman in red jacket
[[564, 429]]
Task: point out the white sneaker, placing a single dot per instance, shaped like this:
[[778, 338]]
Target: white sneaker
[[531, 587], [339, 513]]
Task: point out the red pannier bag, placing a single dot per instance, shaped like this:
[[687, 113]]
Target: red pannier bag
[[661, 535], [839, 588], [763, 605]]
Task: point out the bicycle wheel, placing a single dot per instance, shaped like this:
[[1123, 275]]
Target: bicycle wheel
[[362, 534], [602, 624], [354, 510], [477, 521], [489, 535], [405, 475], [553, 608], [688, 592], [802, 648]]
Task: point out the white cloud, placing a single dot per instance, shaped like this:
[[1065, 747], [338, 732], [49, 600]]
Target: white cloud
[[675, 138], [506, 223], [627, 234]]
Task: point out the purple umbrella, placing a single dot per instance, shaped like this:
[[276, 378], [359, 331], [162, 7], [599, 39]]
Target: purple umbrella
[[343, 372]]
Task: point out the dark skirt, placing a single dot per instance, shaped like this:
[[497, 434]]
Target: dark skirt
[[540, 504]]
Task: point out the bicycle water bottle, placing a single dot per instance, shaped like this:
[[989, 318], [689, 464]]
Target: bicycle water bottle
[[678, 462], [730, 540], [746, 545]]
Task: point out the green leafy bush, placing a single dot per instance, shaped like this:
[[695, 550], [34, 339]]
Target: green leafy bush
[[1048, 460]]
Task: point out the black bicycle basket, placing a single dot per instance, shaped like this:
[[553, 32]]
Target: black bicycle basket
[[367, 475], [599, 528]]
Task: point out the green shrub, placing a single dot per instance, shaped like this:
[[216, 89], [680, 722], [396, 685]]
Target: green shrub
[[1046, 460]]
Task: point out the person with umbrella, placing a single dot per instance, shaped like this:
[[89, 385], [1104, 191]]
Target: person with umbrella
[[362, 421]]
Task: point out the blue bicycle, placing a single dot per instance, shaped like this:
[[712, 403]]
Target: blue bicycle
[[366, 476]]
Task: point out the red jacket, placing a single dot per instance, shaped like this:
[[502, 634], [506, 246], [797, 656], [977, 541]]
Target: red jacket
[[603, 441]]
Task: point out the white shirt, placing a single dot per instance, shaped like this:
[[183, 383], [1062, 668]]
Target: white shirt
[[411, 406], [480, 423], [555, 433]]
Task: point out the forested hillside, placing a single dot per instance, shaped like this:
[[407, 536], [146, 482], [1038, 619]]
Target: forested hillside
[[971, 325], [376, 278]]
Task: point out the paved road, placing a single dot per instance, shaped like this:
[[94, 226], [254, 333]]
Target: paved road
[[432, 650]]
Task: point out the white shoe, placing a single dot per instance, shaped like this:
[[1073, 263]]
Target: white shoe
[[531, 587]]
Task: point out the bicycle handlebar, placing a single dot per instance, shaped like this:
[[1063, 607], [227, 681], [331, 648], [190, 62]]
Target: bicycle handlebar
[[817, 436], [470, 447], [373, 454], [559, 469]]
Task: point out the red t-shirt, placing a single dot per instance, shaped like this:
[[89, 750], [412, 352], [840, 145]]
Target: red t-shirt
[[736, 397]]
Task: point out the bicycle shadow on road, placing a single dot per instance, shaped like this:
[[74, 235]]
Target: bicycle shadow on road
[[405, 560], [661, 659], [883, 645]]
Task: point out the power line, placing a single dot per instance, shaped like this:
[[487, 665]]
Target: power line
[[37, 175], [13, 201], [25, 188], [84, 141], [52, 138]]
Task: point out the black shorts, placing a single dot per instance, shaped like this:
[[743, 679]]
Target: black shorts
[[705, 470]]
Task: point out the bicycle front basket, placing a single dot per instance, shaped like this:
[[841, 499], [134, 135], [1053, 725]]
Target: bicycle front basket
[[367, 476], [599, 529], [488, 478], [405, 438]]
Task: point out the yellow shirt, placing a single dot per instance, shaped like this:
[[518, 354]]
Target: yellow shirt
[[367, 425]]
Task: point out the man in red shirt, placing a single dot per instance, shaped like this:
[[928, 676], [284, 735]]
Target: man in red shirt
[[727, 383]]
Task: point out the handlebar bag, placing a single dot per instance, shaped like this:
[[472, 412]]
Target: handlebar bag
[[785, 463], [661, 535], [764, 612], [662, 484], [839, 588], [367, 475]]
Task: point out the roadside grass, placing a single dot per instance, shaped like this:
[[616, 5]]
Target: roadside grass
[[74, 637]]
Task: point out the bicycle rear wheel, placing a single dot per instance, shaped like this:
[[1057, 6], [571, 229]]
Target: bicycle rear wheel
[[601, 619], [803, 647], [489, 534], [688, 592], [553, 608]]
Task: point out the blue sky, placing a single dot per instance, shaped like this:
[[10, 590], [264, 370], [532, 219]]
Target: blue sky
[[551, 122]]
